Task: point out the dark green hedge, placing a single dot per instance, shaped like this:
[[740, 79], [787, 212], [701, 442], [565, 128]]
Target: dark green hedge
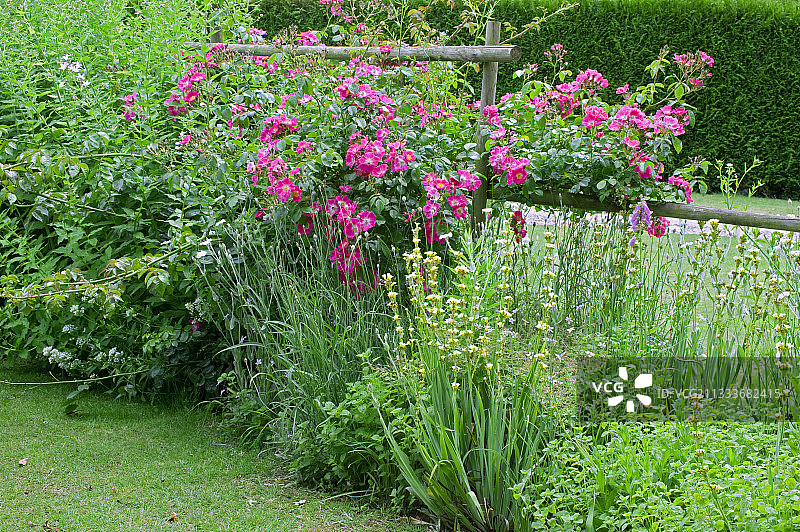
[[751, 106]]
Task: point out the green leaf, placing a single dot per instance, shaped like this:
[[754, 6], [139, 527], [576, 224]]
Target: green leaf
[[331, 159]]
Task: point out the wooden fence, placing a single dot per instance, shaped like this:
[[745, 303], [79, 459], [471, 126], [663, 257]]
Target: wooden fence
[[490, 55]]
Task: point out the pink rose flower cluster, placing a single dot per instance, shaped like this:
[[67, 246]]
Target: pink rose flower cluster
[[336, 9], [285, 189], [594, 116], [634, 129], [431, 112], [659, 227], [671, 120], [518, 226], [439, 188], [276, 126], [186, 85], [234, 123], [371, 159], [588, 80], [372, 98], [554, 102], [129, 101], [280, 178], [256, 35], [308, 38], [174, 107], [343, 210], [680, 182], [555, 53], [501, 161], [697, 64], [347, 257]]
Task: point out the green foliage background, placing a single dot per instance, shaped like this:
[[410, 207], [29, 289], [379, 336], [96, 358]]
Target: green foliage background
[[750, 108]]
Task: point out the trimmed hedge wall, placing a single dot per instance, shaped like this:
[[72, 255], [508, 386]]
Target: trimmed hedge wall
[[750, 108]]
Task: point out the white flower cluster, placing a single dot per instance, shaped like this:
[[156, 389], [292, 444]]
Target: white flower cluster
[[114, 357], [197, 309], [73, 66], [68, 64], [68, 328], [62, 359]]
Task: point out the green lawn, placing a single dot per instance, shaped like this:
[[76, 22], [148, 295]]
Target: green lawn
[[759, 205], [134, 467]]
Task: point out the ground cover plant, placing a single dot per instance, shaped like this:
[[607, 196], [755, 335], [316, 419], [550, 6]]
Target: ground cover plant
[[293, 246]]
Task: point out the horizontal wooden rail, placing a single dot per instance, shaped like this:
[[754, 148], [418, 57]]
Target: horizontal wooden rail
[[470, 54], [671, 210]]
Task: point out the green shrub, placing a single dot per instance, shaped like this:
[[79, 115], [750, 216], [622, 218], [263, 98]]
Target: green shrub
[[87, 195], [350, 451]]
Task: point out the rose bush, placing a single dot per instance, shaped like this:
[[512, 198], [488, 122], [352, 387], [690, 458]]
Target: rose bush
[[354, 151]]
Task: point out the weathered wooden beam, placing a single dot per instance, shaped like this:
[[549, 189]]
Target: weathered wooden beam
[[488, 94], [670, 210], [469, 54], [741, 218]]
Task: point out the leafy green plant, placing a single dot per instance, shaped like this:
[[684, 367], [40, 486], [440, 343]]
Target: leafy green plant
[[730, 181], [350, 451], [482, 425]]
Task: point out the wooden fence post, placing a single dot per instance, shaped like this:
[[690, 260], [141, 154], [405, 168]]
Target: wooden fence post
[[216, 35], [488, 93]]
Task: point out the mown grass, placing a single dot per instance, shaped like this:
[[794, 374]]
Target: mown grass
[[118, 465], [754, 204]]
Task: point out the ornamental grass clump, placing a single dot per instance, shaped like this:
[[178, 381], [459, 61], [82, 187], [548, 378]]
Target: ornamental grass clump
[[482, 425]]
